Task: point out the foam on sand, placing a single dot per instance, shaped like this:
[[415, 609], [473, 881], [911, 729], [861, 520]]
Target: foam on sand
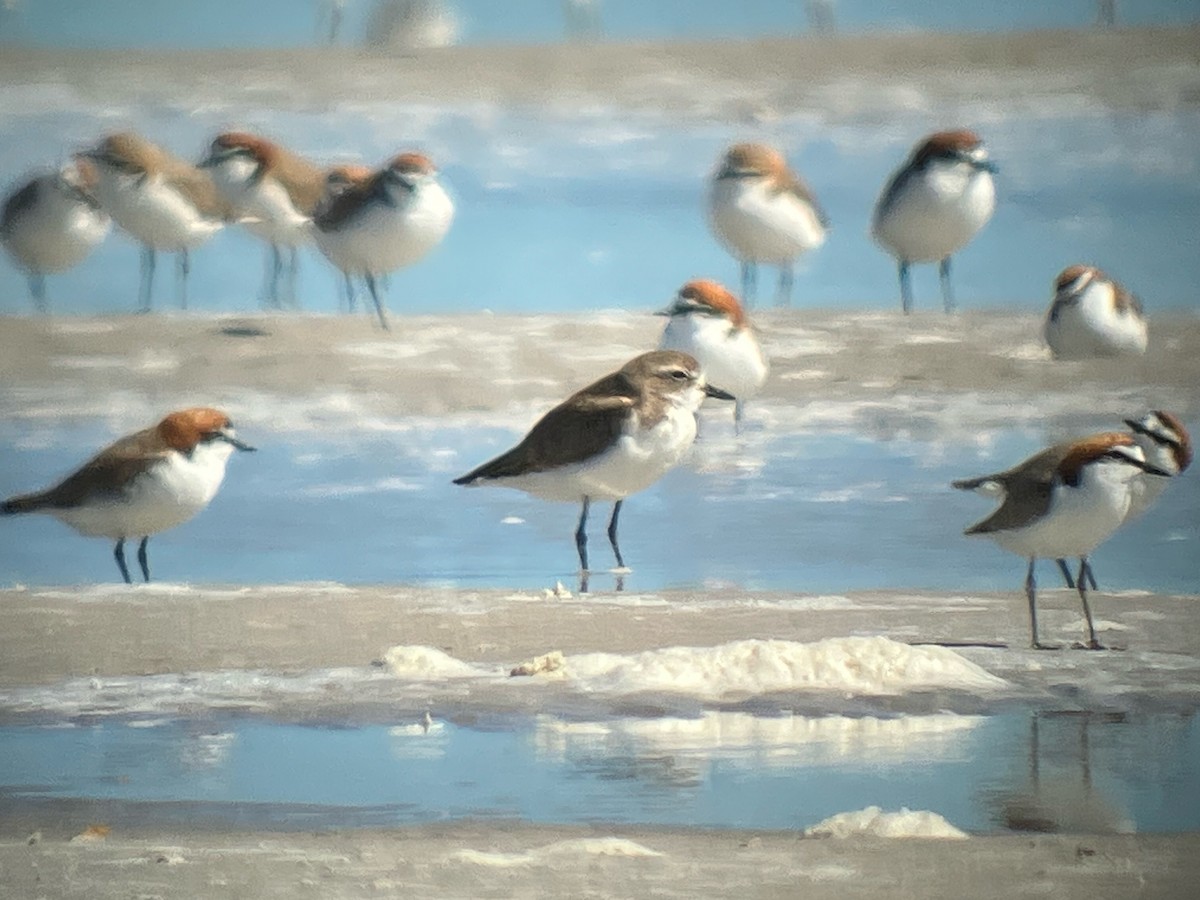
[[874, 822], [558, 852], [856, 665]]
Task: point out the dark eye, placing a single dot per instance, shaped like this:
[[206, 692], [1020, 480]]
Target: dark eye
[[209, 436], [679, 374]]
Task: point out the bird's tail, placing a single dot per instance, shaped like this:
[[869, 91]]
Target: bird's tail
[[23, 504], [985, 484]]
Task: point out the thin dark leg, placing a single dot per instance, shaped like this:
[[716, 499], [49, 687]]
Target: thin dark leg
[[581, 536], [947, 290], [142, 558], [749, 282], [378, 304], [37, 290], [185, 266], [905, 288], [784, 295], [612, 533], [739, 409], [292, 271], [119, 553], [351, 296], [1091, 575], [1031, 593], [271, 289], [1081, 582], [147, 286], [1066, 573]]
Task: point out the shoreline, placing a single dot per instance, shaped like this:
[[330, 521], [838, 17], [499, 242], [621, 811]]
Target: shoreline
[[742, 80]]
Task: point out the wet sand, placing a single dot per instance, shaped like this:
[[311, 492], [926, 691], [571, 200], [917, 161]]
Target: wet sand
[[1138, 68], [473, 860], [460, 365], [51, 848]]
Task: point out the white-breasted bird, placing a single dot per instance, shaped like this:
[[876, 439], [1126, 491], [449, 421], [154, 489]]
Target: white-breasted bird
[[1062, 502], [144, 483], [934, 204]]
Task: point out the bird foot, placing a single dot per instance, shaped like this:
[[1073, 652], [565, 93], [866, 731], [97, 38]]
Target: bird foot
[[1088, 645], [1040, 646]]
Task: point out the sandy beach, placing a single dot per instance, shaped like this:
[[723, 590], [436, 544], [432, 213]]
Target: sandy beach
[[323, 648]]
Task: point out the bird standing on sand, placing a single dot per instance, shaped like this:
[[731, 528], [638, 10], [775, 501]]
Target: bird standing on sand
[[762, 212], [707, 321], [613, 438], [390, 220], [145, 483], [934, 204], [164, 202], [51, 223], [1062, 502], [1092, 315], [274, 193]]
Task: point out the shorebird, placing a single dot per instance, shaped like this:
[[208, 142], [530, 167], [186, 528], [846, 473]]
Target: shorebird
[[337, 179], [611, 439], [934, 204], [1062, 502], [164, 202], [1092, 315], [142, 484], [390, 220], [51, 223], [762, 212], [274, 193], [707, 321], [1166, 444]]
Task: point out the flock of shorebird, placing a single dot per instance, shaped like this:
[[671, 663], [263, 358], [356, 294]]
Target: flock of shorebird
[[622, 433]]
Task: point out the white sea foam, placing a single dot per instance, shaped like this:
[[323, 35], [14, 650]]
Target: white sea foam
[[428, 664], [874, 822], [856, 665], [559, 852]]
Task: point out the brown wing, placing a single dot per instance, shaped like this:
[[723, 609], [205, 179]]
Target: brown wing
[[197, 185], [303, 181], [105, 475], [583, 426], [1028, 488]]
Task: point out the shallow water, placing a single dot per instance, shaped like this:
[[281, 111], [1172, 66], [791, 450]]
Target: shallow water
[[1090, 773], [792, 512]]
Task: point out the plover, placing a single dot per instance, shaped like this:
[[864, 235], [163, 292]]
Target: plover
[[51, 223], [1062, 502], [1092, 315], [934, 204], [274, 192], [611, 439], [164, 202], [707, 321], [388, 221], [762, 212], [144, 483]]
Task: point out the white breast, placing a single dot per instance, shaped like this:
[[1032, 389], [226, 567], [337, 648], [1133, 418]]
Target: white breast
[[153, 211], [1092, 326], [263, 203], [756, 223], [57, 232], [1147, 488], [730, 358], [634, 462], [1079, 518], [935, 213], [385, 238], [167, 494]]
